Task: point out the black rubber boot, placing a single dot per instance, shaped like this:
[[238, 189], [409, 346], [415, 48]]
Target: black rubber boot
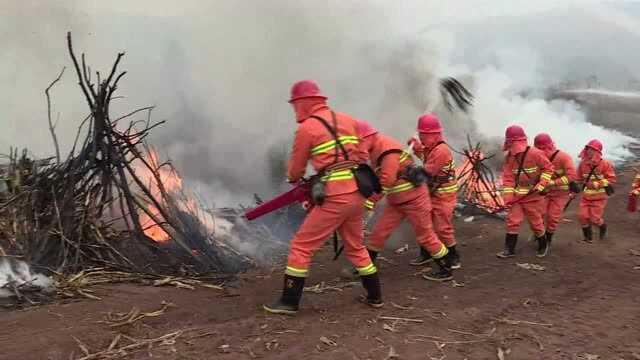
[[455, 258], [587, 234], [602, 235], [543, 246], [443, 273], [290, 299], [371, 283], [422, 259], [549, 238], [373, 255], [510, 241]]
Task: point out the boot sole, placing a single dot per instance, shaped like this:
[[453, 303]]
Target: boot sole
[[279, 311], [503, 256], [427, 277], [363, 299], [412, 263], [457, 266]]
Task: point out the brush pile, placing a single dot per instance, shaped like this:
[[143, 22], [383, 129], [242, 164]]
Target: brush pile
[[107, 201], [478, 186]]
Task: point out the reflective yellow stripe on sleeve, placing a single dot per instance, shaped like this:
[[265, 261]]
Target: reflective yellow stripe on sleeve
[[369, 204]]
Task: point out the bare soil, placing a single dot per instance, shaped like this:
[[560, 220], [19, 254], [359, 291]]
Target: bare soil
[[585, 303]]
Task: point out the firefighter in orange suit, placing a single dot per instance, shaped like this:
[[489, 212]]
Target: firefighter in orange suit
[[438, 163], [597, 177], [343, 205], [405, 199], [563, 179], [525, 174]]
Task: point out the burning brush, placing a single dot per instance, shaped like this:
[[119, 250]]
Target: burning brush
[[477, 184]]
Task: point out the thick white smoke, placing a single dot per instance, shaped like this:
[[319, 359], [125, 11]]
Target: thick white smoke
[[220, 72], [16, 273]]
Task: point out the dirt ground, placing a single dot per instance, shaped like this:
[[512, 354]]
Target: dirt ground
[[586, 303]]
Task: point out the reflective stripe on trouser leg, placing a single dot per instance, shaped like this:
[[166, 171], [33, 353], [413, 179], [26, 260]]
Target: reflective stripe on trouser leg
[[534, 213], [317, 227], [554, 209], [367, 270], [443, 206], [389, 220], [352, 238], [419, 216]]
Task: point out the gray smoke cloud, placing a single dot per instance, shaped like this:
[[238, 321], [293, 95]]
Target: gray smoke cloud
[[220, 71]]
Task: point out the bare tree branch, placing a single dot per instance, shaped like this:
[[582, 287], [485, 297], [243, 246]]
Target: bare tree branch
[[52, 127]]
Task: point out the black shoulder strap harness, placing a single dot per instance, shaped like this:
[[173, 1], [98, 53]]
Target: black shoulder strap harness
[[586, 181], [385, 153], [553, 156], [334, 132], [521, 166]]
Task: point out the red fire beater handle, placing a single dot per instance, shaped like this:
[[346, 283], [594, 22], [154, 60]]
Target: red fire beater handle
[[300, 193]]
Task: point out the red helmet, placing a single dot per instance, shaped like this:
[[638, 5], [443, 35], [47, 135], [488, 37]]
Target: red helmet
[[305, 89], [514, 133], [595, 145], [542, 140], [429, 124], [365, 129]]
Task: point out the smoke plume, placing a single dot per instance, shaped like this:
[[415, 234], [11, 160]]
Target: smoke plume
[[220, 72]]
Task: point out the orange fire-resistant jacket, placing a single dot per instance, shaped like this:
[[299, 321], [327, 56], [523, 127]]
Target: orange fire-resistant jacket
[[438, 162], [564, 172], [602, 176], [313, 142], [534, 175], [389, 169]]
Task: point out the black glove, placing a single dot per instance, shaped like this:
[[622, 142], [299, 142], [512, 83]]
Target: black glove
[[416, 175], [609, 190], [574, 187]]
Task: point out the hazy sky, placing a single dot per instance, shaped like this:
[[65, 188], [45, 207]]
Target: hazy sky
[[220, 71]]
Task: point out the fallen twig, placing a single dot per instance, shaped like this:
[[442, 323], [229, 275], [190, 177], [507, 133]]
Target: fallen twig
[[400, 319], [121, 351]]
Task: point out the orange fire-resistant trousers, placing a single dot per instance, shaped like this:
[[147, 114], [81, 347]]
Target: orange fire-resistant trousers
[[532, 210], [591, 211], [553, 206], [338, 212], [418, 213], [443, 206]]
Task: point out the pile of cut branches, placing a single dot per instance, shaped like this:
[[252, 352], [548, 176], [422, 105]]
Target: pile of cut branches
[[476, 181], [85, 210]]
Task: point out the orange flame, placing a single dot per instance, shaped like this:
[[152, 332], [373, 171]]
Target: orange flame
[[171, 182], [479, 192], [173, 185]]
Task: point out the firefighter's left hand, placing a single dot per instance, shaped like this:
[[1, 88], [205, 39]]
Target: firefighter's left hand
[[307, 205]]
